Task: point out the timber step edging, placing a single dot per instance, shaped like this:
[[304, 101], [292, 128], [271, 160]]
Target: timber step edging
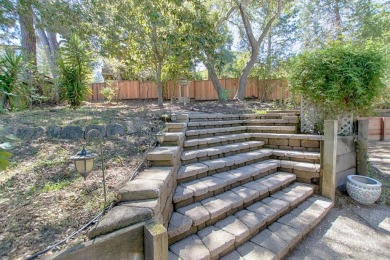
[[233, 232]]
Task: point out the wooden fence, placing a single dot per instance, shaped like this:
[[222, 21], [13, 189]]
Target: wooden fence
[[379, 128], [269, 89]]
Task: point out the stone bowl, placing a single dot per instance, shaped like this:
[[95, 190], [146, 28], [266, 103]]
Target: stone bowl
[[363, 189]]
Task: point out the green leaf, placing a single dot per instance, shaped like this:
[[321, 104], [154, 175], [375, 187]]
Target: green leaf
[[4, 155]]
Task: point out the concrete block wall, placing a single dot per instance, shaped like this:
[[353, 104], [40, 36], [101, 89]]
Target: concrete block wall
[[346, 159]]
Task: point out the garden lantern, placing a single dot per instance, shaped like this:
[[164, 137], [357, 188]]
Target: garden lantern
[[84, 162], [173, 117], [160, 137]]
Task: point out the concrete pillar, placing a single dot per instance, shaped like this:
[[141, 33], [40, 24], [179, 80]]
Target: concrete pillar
[[328, 178], [155, 241], [362, 146]]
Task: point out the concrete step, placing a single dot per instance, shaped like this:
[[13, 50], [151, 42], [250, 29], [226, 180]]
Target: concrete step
[[195, 190], [216, 128], [201, 169], [299, 161], [217, 140], [219, 151], [280, 121], [278, 239], [293, 120], [234, 232], [209, 210], [283, 129], [211, 124], [212, 132], [201, 117]]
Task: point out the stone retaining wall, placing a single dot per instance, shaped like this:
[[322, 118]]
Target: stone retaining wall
[[76, 132]]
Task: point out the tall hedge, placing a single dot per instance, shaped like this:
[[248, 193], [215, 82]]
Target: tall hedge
[[340, 78]]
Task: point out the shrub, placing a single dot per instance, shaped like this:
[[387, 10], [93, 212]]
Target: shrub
[[75, 71], [108, 93], [11, 87], [340, 78], [4, 155]]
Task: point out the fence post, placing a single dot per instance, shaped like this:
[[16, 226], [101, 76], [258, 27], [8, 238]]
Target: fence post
[[362, 146], [328, 178]]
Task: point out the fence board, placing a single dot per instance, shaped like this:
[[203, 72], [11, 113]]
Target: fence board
[[270, 89], [251, 88], [148, 90], [204, 90], [129, 89]]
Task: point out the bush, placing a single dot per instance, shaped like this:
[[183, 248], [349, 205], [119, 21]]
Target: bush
[[75, 71], [108, 93], [340, 78], [11, 87]]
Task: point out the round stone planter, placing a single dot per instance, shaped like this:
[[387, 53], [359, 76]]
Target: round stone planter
[[363, 189]]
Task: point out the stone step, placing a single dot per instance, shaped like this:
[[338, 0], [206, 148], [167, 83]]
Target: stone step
[[217, 140], [219, 151], [273, 129], [212, 132], [208, 211], [287, 121], [300, 161], [215, 117], [200, 169], [277, 240], [234, 231], [207, 124], [218, 128], [195, 190], [284, 121]]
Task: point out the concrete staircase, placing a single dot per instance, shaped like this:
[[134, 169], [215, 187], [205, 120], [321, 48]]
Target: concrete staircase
[[245, 188]]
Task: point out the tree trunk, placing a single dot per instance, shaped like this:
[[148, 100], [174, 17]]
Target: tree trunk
[[254, 43], [159, 86], [244, 75], [339, 32], [214, 79], [49, 53], [54, 47], [28, 41]]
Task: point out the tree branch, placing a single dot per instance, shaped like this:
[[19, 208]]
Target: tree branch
[[247, 25], [269, 23], [222, 19]]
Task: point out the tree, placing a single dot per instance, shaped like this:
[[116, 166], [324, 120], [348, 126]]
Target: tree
[[140, 31], [208, 37], [75, 71], [270, 10]]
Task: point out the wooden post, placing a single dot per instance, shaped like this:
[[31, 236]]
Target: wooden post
[[328, 178], [362, 146], [382, 119], [155, 241]]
